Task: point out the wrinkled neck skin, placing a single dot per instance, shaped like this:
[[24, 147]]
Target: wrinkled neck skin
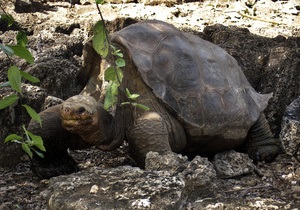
[[109, 132]]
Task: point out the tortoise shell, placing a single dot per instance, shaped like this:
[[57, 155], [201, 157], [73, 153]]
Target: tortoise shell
[[200, 81]]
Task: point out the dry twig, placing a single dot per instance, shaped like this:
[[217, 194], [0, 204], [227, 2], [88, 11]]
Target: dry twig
[[260, 19]]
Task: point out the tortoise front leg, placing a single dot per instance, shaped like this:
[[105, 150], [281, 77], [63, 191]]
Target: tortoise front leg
[[260, 144], [149, 133], [56, 140]]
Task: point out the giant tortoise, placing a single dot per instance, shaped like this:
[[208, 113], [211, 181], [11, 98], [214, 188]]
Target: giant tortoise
[[200, 103]]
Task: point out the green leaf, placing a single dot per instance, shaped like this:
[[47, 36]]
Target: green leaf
[[14, 78], [8, 100], [134, 96], [29, 77], [100, 42], [131, 96], [22, 52], [38, 153], [111, 95], [22, 39], [120, 62], [37, 141], [17, 141], [8, 18], [26, 148], [142, 106], [117, 52], [7, 50], [35, 116], [111, 74], [125, 103], [136, 105], [99, 1], [127, 92], [12, 137]]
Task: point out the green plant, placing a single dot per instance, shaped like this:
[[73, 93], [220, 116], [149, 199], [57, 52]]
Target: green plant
[[113, 75], [30, 141]]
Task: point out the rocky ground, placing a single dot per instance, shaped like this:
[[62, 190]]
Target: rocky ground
[[272, 186]]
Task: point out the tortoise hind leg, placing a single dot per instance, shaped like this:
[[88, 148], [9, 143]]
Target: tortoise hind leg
[[260, 144]]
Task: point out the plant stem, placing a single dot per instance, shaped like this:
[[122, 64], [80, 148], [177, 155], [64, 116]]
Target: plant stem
[[109, 45], [12, 20]]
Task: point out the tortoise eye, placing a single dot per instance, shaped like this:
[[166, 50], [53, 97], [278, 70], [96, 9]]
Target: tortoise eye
[[81, 110]]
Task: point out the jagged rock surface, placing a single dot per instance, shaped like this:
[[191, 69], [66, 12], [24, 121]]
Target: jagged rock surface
[[118, 188], [231, 164], [290, 130]]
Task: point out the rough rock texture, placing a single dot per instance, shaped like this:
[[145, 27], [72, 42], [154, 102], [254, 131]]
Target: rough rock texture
[[24, 6], [132, 188], [121, 188], [290, 130], [127, 187], [197, 173], [171, 162], [51, 101], [156, 2], [230, 164]]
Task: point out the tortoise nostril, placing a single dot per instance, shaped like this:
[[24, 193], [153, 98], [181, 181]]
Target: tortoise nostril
[[81, 110]]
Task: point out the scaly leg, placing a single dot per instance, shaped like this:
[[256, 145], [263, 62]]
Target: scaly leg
[[260, 144], [149, 133]]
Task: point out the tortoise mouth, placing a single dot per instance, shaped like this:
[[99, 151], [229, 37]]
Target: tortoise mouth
[[76, 122]]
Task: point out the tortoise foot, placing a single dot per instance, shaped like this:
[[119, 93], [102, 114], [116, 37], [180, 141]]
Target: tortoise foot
[[46, 170], [265, 153]]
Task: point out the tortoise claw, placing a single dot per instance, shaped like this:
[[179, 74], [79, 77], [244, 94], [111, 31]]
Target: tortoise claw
[[266, 153]]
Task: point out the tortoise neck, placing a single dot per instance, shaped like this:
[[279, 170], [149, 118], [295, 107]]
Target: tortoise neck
[[111, 129]]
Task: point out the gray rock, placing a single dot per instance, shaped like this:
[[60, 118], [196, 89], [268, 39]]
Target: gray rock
[[51, 101], [171, 162], [26, 6], [33, 96], [4, 207], [157, 2], [230, 164], [290, 130], [118, 188], [57, 75], [199, 173], [129, 187], [120, 1]]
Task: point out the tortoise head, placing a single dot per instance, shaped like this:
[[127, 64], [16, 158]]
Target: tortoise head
[[80, 115]]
